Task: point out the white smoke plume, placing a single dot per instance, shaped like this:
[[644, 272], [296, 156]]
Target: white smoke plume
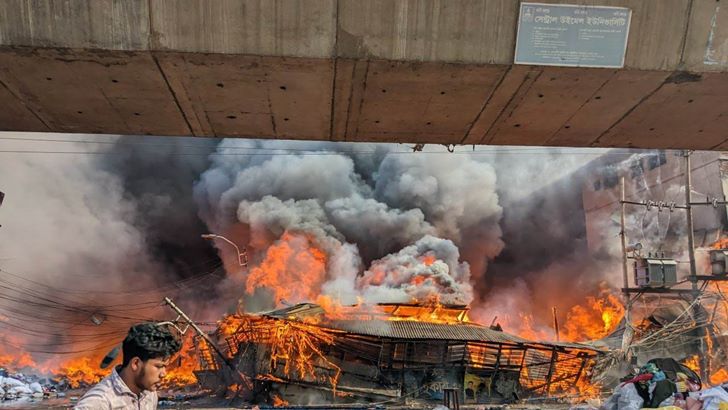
[[430, 269]]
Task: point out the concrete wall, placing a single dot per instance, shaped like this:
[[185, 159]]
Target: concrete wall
[[664, 35], [433, 71]]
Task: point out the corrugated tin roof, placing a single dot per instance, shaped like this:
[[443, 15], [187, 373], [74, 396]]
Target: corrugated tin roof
[[408, 329], [299, 310], [411, 329]]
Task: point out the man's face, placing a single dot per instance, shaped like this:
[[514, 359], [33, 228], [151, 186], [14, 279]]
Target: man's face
[[150, 373]]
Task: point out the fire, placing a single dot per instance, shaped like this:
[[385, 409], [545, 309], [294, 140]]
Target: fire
[[525, 327], [82, 371], [293, 269], [429, 259], [279, 402], [180, 372], [85, 371], [430, 311], [562, 380], [692, 363], [594, 320], [716, 378], [16, 361], [294, 346], [721, 243], [719, 377]]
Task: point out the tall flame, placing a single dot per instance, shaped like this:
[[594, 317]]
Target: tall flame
[[597, 318], [293, 269]]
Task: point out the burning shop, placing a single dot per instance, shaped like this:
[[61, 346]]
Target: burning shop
[[308, 354]]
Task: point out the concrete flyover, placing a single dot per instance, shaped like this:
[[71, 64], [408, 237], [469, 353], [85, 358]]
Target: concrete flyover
[[432, 71]]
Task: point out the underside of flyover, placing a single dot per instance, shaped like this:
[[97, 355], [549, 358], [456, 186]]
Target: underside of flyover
[[421, 71]]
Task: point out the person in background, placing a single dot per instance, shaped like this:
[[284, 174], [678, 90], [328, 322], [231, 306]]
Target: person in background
[[147, 350]]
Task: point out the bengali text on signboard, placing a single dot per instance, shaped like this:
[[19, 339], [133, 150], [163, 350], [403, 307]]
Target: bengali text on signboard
[[572, 35]]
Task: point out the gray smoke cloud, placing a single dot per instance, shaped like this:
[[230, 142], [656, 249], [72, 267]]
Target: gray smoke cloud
[[68, 234], [378, 213], [102, 233], [360, 205], [374, 224]]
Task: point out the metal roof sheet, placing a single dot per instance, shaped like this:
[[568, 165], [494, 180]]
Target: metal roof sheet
[[409, 329]]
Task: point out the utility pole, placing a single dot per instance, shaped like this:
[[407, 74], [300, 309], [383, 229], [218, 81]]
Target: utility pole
[[702, 332], [693, 277], [691, 235], [628, 333], [199, 331]]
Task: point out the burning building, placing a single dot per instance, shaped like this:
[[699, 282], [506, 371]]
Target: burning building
[[359, 226], [305, 354]]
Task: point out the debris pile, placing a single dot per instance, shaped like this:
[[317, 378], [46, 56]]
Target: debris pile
[[665, 383], [18, 386]]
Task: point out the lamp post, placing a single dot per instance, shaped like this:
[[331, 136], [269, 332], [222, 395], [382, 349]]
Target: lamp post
[[242, 256]]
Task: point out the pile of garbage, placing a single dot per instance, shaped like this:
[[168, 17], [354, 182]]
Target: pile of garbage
[[18, 386], [665, 383]]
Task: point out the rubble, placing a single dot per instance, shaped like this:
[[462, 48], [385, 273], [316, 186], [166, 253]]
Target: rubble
[[18, 386]]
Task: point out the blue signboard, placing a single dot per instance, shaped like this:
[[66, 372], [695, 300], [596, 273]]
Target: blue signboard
[[572, 35]]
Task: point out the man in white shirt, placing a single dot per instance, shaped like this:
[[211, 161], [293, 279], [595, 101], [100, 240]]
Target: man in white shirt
[[147, 350]]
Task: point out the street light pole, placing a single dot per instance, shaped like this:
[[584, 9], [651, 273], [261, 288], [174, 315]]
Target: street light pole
[[242, 256]]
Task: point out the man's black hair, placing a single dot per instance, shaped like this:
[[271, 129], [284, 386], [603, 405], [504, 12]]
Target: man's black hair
[[149, 341]]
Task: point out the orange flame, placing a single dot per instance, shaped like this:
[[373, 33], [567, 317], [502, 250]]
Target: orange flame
[[594, 320], [718, 376], [82, 371], [296, 346], [721, 243], [180, 372], [293, 269], [428, 259], [15, 361], [279, 402]]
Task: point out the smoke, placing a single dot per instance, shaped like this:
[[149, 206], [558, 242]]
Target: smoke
[[156, 176], [350, 221], [561, 228], [457, 195], [387, 229], [67, 221], [365, 210], [428, 270], [68, 240], [102, 233]]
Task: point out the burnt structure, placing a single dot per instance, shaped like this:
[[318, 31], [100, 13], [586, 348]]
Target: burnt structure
[[304, 355]]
